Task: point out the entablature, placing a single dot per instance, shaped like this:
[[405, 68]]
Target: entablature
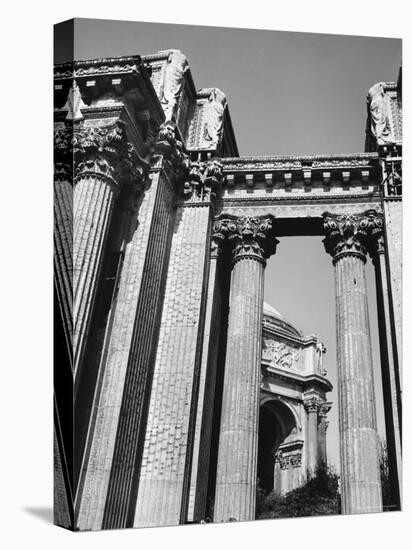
[[331, 173]]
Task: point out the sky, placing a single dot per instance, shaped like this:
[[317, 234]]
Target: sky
[[288, 93]]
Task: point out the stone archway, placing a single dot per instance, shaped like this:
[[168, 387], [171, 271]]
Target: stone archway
[[276, 424]]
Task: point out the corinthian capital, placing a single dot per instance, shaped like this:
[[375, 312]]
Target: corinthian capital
[[249, 237], [312, 404], [346, 235], [353, 234], [99, 150]]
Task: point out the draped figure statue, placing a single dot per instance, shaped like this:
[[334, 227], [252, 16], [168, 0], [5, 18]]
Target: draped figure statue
[[378, 114], [214, 113], [172, 81]]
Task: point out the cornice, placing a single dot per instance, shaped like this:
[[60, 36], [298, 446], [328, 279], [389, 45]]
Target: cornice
[[302, 379]]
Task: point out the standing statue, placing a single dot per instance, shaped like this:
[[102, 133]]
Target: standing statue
[[320, 350], [378, 114], [214, 113], [172, 81]]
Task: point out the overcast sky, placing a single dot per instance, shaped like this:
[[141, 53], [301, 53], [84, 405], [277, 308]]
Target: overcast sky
[[288, 93]]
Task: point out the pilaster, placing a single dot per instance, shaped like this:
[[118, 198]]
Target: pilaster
[[164, 482]]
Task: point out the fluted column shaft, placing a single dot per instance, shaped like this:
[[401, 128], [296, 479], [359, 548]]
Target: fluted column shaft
[[63, 252], [360, 472], [94, 198], [239, 428], [237, 462], [312, 412]]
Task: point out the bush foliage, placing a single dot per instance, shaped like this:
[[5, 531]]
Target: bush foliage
[[318, 496]]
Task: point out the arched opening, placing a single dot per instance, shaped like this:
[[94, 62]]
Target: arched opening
[[276, 424]]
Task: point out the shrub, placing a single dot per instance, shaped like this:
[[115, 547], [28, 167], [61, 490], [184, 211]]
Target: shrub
[[318, 496]]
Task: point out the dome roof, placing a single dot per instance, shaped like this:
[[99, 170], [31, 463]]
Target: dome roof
[[274, 317]]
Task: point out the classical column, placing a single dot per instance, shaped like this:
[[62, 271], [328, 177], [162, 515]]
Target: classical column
[[63, 233], [238, 440], [99, 153], [389, 362], [312, 408], [346, 240]]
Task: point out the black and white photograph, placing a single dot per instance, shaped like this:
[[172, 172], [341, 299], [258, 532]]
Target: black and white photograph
[[205, 276], [227, 274]]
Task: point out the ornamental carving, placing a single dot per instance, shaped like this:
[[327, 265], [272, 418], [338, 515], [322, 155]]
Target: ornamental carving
[[172, 82], [99, 150], [324, 409], [288, 461], [351, 234], [74, 103], [169, 147], [249, 237], [392, 181], [249, 164], [312, 404], [280, 354], [203, 181]]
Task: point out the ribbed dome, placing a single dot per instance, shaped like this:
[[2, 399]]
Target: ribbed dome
[[276, 318]]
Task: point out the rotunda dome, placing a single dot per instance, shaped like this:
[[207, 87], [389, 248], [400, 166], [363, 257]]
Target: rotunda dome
[[274, 318]]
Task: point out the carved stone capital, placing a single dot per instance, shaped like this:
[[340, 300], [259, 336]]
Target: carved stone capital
[[287, 461], [203, 181], [312, 404], [324, 409], [249, 237], [350, 235], [99, 151]]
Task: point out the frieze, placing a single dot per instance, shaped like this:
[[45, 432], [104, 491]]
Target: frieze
[[97, 67], [280, 354], [259, 164]]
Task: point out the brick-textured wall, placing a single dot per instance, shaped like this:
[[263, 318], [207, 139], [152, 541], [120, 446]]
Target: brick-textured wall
[[134, 316], [167, 447]]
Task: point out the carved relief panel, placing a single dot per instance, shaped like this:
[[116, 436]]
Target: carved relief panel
[[280, 354]]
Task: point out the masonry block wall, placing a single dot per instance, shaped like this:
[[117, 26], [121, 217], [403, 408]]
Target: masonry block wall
[[165, 470]]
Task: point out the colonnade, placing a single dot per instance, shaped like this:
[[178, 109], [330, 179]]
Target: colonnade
[[348, 239], [249, 241]]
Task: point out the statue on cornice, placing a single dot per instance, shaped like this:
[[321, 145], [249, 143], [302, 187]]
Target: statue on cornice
[[214, 113], [378, 114], [320, 350], [172, 81]]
